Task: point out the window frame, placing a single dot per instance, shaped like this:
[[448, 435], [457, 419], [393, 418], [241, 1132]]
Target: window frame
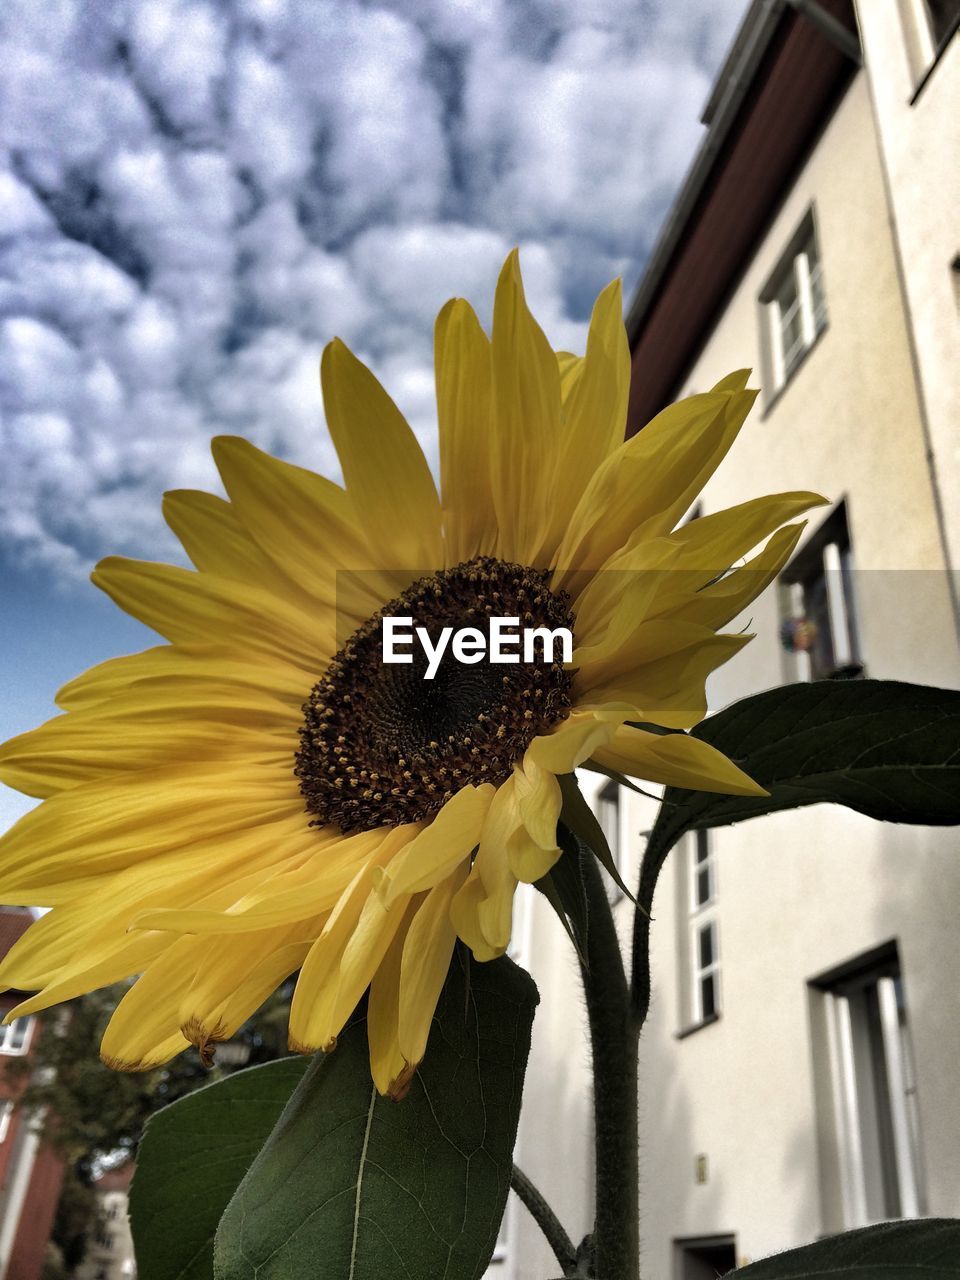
[[701, 857], [826, 558], [871, 1078], [799, 275], [924, 48], [8, 1032]]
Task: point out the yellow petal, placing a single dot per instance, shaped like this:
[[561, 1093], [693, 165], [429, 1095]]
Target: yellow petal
[[645, 485], [577, 738], [495, 911], [463, 375], [345, 957], [144, 1031], [104, 826], [722, 601], [384, 468], [158, 675], [193, 608], [624, 653], [446, 842], [465, 915], [526, 400], [676, 760], [77, 748], [595, 408], [670, 691], [532, 847], [233, 977], [426, 961], [390, 1070], [310, 885], [307, 526], [214, 539]]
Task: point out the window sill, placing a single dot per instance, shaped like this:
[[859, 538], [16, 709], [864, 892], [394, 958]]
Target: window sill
[[697, 1026], [941, 49], [775, 399]]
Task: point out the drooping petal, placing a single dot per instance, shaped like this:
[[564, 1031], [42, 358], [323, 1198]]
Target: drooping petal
[[440, 847], [343, 960], [233, 977], [578, 737], [390, 1070], [425, 962], [532, 847]]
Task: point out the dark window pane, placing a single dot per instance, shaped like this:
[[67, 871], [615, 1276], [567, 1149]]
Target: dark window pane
[[703, 887], [943, 14], [706, 946], [708, 997], [703, 846]]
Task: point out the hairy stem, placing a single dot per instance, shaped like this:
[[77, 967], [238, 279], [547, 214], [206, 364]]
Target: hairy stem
[[640, 979], [613, 1037], [563, 1247]]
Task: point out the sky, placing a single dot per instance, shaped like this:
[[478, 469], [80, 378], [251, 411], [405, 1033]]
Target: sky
[[197, 195]]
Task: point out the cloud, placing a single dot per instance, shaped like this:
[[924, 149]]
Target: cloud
[[195, 196]]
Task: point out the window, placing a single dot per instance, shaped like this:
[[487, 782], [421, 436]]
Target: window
[[704, 1259], [793, 307], [6, 1115], [704, 932], [700, 933], [607, 809], [928, 26], [873, 1094], [819, 605], [15, 1038]]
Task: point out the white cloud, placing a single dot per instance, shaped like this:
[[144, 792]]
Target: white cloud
[[195, 197]]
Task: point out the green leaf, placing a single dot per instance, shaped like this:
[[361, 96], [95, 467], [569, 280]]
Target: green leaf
[[577, 815], [191, 1160], [887, 749], [353, 1186], [921, 1249]]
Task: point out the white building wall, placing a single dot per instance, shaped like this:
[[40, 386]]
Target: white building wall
[[916, 102], [802, 892]]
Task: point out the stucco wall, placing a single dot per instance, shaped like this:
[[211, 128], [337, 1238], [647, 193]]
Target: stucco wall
[[917, 107]]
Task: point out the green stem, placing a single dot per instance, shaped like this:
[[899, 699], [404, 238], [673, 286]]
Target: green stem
[[613, 1037], [563, 1247]]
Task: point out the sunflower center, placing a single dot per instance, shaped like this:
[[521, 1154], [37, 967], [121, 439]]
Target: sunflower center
[[380, 745]]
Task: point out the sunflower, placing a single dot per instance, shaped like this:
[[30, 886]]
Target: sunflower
[[262, 795]]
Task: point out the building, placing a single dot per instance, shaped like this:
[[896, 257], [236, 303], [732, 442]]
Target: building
[[30, 1173], [799, 1069], [109, 1251]]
